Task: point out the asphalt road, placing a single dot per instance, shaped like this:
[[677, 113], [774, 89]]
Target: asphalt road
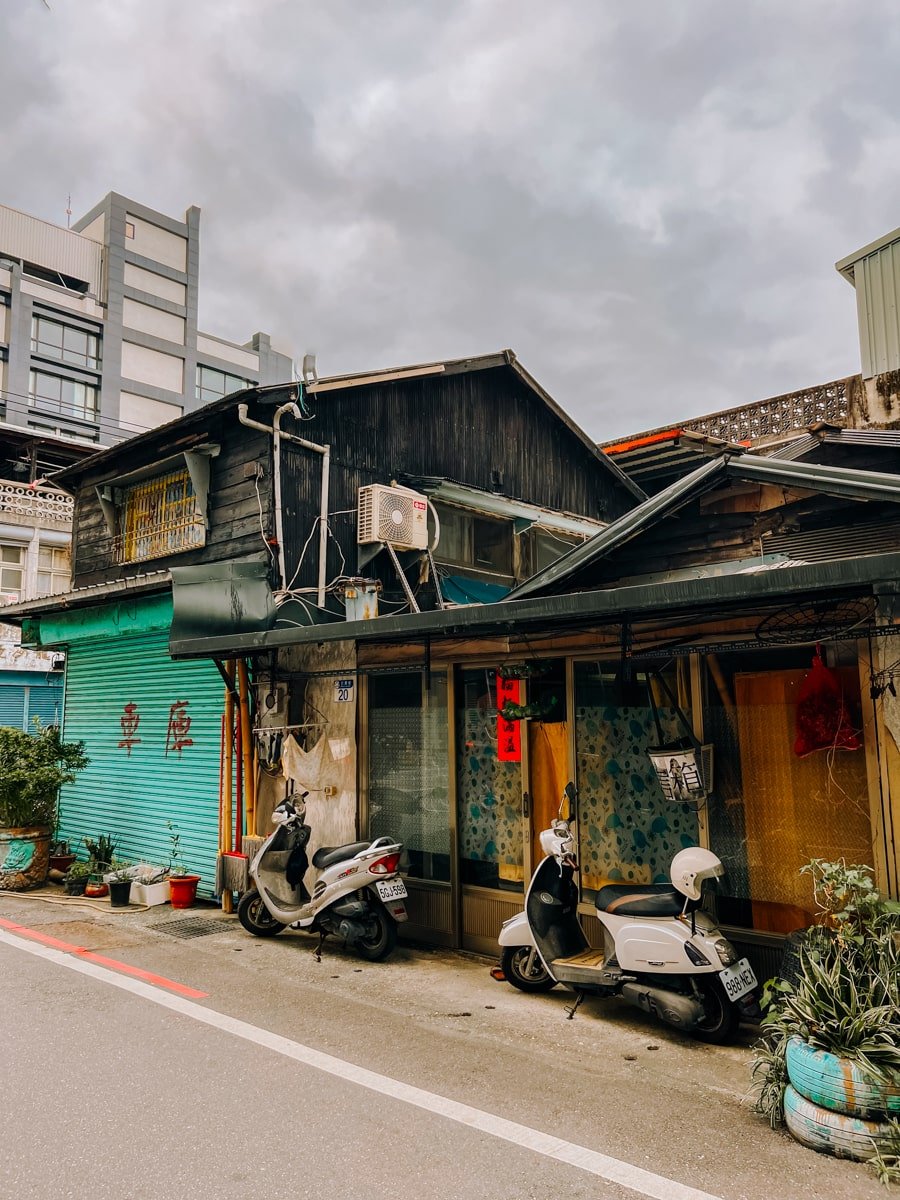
[[292, 1078]]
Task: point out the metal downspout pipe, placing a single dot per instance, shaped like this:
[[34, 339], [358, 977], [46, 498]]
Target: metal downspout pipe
[[325, 451]]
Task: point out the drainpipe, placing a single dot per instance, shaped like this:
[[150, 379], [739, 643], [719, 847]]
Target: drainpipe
[[325, 451]]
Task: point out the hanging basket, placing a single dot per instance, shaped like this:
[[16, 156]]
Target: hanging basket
[[684, 771]]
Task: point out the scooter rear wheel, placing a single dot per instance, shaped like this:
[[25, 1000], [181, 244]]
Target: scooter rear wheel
[[255, 917], [514, 961], [381, 936], [720, 1024]]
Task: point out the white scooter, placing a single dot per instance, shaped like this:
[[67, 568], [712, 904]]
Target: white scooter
[[358, 895], [660, 953]]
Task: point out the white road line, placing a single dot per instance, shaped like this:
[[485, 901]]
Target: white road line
[[645, 1183]]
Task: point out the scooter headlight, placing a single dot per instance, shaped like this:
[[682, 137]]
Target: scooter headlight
[[726, 952]]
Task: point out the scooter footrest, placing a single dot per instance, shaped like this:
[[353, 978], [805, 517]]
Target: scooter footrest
[[579, 968]]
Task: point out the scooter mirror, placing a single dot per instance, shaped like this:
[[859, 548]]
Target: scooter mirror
[[568, 804]]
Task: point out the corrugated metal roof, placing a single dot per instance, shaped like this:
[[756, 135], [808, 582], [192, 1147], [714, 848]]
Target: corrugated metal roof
[[834, 481], [880, 439], [720, 594], [51, 247], [662, 456]]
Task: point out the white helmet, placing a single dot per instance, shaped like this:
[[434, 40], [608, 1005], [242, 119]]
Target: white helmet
[[690, 867]]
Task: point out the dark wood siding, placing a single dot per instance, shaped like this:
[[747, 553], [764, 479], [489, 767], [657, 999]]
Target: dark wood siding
[[483, 427], [474, 428], [236, 515]]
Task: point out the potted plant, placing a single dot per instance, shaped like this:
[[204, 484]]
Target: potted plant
[[182, 886], [76, 878], [32, 768], [119, 882], [150, 885], [829, 1062], [61, 855], [102, 851]]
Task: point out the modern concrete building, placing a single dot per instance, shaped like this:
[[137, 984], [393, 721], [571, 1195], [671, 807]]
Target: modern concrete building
[[98, 341]]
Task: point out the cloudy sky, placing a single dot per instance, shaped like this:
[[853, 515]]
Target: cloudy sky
[[644, 200]]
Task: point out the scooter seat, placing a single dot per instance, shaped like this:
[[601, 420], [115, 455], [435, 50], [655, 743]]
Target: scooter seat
[[652, 900], [327, 856]]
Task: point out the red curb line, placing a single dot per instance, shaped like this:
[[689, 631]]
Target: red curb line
[[82, 952]]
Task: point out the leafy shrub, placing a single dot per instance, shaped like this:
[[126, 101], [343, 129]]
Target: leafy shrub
[[32, 769]]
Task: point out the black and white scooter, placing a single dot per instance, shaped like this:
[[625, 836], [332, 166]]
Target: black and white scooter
[[358, 895], [660, 952]]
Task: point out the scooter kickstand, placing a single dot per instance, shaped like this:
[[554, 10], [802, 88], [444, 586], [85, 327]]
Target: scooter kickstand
[[573, 1009], [318, 950]]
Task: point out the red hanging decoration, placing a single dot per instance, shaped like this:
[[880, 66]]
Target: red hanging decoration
[[823, 722]]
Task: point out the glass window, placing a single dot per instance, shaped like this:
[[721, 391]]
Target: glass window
[[159, 517], [12, 572], [65, 397], [52, 339], [628, 831], [53, 570], [213, 384], [545, 546], [408, 788], [470, 540], [489, 792]]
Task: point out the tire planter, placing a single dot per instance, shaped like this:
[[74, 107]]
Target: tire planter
[[838, 1084], [183, 890], [830, 1132], [24, 857]]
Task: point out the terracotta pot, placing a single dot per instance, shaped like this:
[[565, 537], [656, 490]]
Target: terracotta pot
[[24, 857], [96, 888], [61, 862], [183, 890]]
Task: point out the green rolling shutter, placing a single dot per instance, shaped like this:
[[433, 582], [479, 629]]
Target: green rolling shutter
[[151, 727]]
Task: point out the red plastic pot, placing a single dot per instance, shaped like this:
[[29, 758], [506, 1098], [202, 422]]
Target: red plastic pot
[[183, 890]]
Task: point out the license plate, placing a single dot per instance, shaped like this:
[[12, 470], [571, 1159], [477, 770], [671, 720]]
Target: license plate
[[738, 980], [391, 889]]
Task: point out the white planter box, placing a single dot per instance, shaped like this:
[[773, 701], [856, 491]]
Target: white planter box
[[149, 893]]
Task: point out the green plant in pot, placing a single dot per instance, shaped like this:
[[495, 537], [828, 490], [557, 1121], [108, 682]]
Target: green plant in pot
[[120, 883], [102, 852], [182, 886], [33, 766], [828, 1065], [76, 878]]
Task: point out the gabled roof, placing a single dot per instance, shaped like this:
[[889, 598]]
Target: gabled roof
[[749, 468], [505, 358], [482, 362]]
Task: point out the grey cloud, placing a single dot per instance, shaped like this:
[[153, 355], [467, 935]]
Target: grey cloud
[[645, 202]]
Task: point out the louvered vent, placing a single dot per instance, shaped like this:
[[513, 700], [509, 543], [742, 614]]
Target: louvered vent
[[392, 514]]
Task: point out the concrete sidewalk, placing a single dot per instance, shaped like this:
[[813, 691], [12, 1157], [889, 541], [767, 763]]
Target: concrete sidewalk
[[611, 1077]]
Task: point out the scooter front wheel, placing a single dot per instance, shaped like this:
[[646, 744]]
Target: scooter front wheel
[[721, 1017], [523, 968], [255, 917]]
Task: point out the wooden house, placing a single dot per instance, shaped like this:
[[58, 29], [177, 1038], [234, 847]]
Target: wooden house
[[250, 505]]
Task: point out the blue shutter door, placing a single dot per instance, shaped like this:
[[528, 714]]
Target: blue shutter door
[[12, 705], [151, 728], [45, 702]]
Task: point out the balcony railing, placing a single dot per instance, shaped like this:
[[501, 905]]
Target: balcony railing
[[37, 506]]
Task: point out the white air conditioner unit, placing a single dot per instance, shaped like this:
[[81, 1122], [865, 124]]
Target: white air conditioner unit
[[395, 515]]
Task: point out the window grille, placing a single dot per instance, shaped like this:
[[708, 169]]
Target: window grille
[[159, 517]]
